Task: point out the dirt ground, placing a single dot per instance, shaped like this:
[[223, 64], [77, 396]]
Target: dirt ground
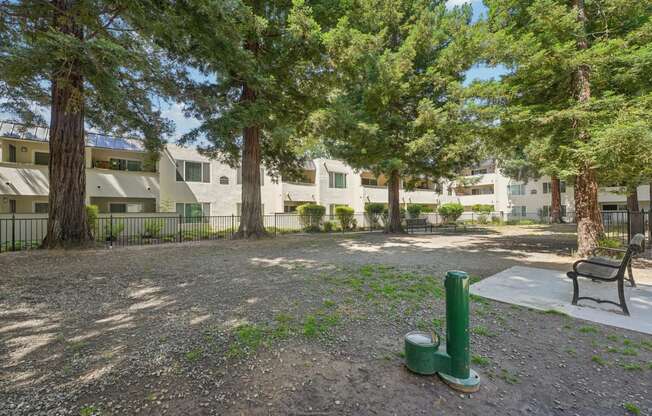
[[299, 325]]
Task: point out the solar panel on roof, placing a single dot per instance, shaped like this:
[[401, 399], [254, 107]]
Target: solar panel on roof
[[17, 131]]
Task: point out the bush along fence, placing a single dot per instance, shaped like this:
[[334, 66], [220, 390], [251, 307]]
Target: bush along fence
[[21, 232]]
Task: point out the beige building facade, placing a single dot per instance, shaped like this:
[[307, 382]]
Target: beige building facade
[[121, 180]]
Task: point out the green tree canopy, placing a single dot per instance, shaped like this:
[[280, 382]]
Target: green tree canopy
[[576, 68], [398, 105], [86, 63], [260, 77]]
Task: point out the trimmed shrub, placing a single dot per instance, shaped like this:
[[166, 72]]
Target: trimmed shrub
[[311, 216], [92, 213], [152, 228], [113, 228], [483, 211], [345, 215], [451, 212], [329, 226], [414, 210], [374, 212]]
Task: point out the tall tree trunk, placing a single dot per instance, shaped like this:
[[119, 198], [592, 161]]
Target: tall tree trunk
[[393, 190], [67, 223], [589, 219], [555, 203], [251, 217], [632, 201]]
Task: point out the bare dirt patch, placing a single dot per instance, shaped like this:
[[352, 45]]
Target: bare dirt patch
[[298, 325]]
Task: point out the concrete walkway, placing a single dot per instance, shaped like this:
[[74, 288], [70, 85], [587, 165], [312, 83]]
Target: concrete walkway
[[545, 289]]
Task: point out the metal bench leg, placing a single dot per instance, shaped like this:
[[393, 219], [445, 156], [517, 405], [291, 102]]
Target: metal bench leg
[[630, 274], [621, 295], [576, 287]]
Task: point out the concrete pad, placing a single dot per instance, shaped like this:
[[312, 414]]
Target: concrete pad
[[545, 289]]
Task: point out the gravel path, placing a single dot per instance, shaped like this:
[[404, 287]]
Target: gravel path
[[299, 325]]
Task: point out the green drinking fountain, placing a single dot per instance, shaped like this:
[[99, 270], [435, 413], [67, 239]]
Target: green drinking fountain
[[423, 352]]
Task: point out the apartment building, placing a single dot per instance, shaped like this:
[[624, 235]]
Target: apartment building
[[120, 179], [118, 175]]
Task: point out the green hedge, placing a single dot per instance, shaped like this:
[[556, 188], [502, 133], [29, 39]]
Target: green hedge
[[451, 211], [311, 216], [345, 215]]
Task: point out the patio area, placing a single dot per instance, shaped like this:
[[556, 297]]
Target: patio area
[[551, 290]]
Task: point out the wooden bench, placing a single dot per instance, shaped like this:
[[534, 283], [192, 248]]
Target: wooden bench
[[412, 224], [607, 269]]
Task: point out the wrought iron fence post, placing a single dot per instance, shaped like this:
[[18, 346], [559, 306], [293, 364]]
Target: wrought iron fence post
[[179, 227], [629, 227], [13, 232], [232, 225], [275, 225], [111, 230]]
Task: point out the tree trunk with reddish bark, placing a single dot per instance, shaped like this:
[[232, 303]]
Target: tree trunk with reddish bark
[[589, 219], [251, 216], [632, 201], [555, 203], [393, 190], [67, 222]]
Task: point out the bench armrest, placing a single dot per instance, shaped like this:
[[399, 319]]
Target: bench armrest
[[578, 262]]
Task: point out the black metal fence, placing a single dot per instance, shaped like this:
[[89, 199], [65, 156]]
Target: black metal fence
[[22, 233]]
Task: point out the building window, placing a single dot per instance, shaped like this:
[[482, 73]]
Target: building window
[[332, 207], [193, 171], [482, 191], [478, 171], [336, 180], [518, 189], [224, 180], [12, 206], [124, 164], [369, 181], [547, 187], [40, 208], [121, 208], [12, 153], [41, 158], [194, 211], [519, 211]]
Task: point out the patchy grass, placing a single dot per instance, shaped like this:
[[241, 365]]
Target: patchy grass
[[598, 360], [554, 312], [482, 331], [508, 377], [586, 329], [480, 360], [248, 338], [89, 411], [194, 355], [632, 366], [632, 408]]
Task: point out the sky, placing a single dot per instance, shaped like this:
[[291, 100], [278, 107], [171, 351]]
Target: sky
[[174, 111]]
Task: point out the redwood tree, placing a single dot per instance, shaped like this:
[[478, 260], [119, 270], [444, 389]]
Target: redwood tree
[[85, 62], [574, 69], [257, 78], [398, 105]]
